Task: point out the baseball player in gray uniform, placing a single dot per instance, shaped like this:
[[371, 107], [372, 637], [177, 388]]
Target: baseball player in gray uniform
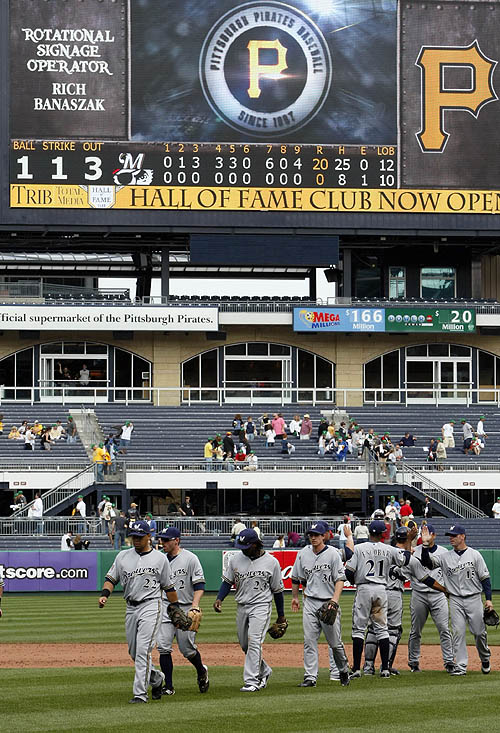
[[144, 573], [318, 567], [465, 577], [368, 569], [189, 580], [425, 601], [256, 576]]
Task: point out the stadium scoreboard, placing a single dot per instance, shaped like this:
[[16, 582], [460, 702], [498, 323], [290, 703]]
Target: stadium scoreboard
[[373, 107]]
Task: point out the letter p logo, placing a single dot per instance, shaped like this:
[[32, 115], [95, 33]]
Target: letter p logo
[[436, 98], [270, 71]]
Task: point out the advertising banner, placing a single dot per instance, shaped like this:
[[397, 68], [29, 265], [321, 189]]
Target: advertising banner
[[113, 318], [349, 319], [31, 572]]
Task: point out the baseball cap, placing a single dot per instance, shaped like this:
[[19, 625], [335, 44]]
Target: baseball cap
[[431, 529], [454, 530], [318, 527], [81, 496], [463, 421], [169, 533], [246, 538], [378, 514], [377, 527], [401, 533], [139, 528]]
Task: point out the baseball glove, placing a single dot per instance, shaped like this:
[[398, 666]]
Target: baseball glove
[[179, 618], [327, 613], [195, 614], [278, 629], [491, 617]]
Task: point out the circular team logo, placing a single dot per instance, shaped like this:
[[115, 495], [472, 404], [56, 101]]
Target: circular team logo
[[265, 69]]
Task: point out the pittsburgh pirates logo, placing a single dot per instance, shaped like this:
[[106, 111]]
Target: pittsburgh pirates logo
[[265, 69]]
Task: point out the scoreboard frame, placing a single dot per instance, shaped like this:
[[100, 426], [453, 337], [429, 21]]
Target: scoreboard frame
[[329, 211]]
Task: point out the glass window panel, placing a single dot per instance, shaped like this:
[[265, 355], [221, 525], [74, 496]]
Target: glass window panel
[[305, 368], [459, 350], [437, 282], [191, 372], [486, 369], [397, 272], [96, 349], [7, 371], [373, 373], [367, 282], [51, 348], [257, 349], [123, 368], [237, 349], [439, 350], [438, 271], [276, 349], [140, 367], [24, 368], [497, 372], [391, 369], [209, 376], [324, 373], [74, 348], [416, 350]]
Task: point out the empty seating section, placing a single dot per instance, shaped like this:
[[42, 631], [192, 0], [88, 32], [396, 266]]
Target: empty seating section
[[12, 450]]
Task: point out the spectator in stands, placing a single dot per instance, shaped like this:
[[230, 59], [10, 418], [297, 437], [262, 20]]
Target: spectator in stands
[[126, 436], [480, 431], [278, 425], [293, 539], [71, 431], [186, 508], [208, 453], [120, 526], [110, 464], [290, 448], [447, 434], [476, 446], [321, 443], [46, 441], [14, 434], [341, 452], [408, 440], [398, 452], [431, 455], [80, 544], [84, 376], [496, 509], [306, 428], [250, 429], [98, 458], [37, 428], [36, 512], [252, 462], [294, 426], [19, 500], [132, 512], [228, 445], [152, 525], [441, 454], [219, 456], [322, 427], [57, 432], [284, 445], [391, 465], [343, 430], [67, 541], [229, 461], [392, 514], [237, 527], [237, 424], [279, 544], [406, 512], [81, 511], [467, 435], [270, 436], [109, 515], [361, 533], [23, 427], [29, 439], [263, 420], [346, 524], [254, 525], [240, 458], [427, 508], [381, 452]]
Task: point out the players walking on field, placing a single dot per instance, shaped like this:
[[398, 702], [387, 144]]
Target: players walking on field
[[189, 580], [144, 574], [318, 567], [257, 578]]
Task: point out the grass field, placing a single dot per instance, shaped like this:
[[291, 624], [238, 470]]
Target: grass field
[[83, 699]]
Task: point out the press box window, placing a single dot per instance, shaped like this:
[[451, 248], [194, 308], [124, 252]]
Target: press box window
[[437, 283], [397, 282]]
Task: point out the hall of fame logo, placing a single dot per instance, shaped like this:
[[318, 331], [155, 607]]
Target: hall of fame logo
[[265, 69]]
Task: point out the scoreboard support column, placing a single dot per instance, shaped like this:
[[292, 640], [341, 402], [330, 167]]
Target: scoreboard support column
[[312, 284], [165, 272]]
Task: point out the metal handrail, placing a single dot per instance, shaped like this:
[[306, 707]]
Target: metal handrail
[[63, 491], [262, 465]]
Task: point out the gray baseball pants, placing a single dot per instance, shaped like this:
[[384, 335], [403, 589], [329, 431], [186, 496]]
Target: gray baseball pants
[[252, 622], [142, 624], [421, 605]]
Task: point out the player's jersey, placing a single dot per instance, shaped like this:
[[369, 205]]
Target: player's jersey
[[414, 571], [462, 572], [255, 580], [436, 573], [318, 572], [186, 571], [371, 562], [143, 577]]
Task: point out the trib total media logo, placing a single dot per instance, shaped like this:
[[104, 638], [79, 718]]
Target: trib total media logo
[[265, 69]]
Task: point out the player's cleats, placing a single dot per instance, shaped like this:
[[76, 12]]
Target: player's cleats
[[156, 690], [355, 675], [344, 679], [485, 667], [394, 672], [249, 688], [134, 700], [369, 670], [307, 683], [203, 683], [450, 667], [334, 679], [385, 674], [168, 691], [458, 672], [265, 680], [416, 668]]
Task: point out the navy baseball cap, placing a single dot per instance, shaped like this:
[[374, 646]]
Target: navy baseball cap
[[431, 529], [454, 530], [377, 527], [319, 527], [169, 533], [401, 533], [139, 528], [246, 538]]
